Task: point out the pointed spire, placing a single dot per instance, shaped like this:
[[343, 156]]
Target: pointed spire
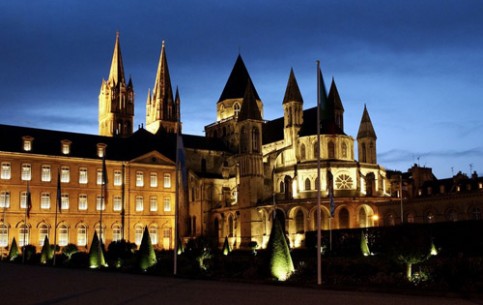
[[292, 93], [116, 74], [236, 83], [162, 85], [366, 129], [334, 96], [249, 109], [177, 104]]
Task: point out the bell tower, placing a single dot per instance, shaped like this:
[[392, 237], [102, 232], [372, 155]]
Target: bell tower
[[116, 99]]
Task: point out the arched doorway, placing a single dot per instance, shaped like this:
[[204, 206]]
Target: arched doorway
[[343, 218]]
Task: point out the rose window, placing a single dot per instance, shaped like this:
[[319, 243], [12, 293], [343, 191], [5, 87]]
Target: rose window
[[343, 182]]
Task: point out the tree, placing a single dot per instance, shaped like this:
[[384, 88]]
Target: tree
[[226, 247], [13, 253], [280, 260], [96, 253], [47, 252], [365, 244], [146, 254]]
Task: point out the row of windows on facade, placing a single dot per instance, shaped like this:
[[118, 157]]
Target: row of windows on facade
[[342, 182], [45, 202], [46, 175], [24, 234], [442, 189], [330, 150], [27, 145]]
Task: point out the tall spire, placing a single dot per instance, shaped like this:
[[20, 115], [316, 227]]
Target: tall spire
[[236, 84], [116, 99], [161, 110], [292, 92], [366, 129], [116, 74]]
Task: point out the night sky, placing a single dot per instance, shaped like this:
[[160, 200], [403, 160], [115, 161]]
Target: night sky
[[417, 65]]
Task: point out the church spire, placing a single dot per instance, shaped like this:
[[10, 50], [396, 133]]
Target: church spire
[[116, 74], [116, 99], [161, 110], [292, 92], [366, 129]]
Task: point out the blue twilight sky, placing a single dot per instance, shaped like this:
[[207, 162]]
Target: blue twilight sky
[[417, 65]]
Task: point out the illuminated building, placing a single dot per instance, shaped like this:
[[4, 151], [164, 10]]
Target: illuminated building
[[242, 172]]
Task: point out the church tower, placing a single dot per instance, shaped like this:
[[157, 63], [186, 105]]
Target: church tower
[[162, 111], [116, 99], [250, 160], [366, 140], [293, 111]]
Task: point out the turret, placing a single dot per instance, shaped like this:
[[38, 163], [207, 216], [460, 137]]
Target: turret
[[366, 140], [116, 99]]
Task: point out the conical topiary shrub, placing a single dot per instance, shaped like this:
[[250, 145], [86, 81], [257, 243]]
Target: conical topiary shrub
[[365, 245], [47, 253], [280, 260], [13, 253], [146, 254], [226, 247], [96, 254]]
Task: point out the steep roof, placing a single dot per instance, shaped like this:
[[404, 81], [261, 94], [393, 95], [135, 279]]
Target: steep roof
[[366, 130], [249, 109], [116, 74], [292, 92], [236, 83], [162, 89]]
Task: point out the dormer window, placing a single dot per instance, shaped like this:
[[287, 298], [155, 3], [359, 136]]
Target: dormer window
[[101, 150], [27, 143], [65, 147]]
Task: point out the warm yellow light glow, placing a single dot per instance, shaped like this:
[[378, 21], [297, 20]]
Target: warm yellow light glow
[[375, 217], [294, 187]]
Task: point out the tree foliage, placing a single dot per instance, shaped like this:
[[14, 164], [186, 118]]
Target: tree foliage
[[13, 253], [280, 260], [96, 253], [146, 255]]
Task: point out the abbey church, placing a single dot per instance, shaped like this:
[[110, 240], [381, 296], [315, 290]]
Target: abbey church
[[242, 174]]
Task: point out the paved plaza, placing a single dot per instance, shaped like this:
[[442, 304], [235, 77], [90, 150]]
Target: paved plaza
[[24, 284]]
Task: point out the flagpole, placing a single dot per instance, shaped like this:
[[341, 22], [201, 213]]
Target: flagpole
[[25, 221], [319, 256], [57, 205]]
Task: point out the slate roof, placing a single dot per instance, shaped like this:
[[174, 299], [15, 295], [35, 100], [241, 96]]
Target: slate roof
[[237, 82]]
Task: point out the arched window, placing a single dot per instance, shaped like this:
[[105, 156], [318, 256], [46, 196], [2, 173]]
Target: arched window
[[331, 150], [3, 235], [63, 235], [116, 232], [362, 218], [344, 150], [236, 109], [363, 151], [282, 187], [153, 234], [255, 140], [138, 234], [307, 184], [243, 140], [316, 150], [302, 151], [81, 235], [299, 222], [43, 232], [230, 226], [23, 235], [343, 218]]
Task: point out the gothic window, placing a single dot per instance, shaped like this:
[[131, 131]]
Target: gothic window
[[302, 152], [282, 187], [255, 139], [362, 218], [299, 222], [243, 140], [236, 108], [331, 150], [343, 218], [344, 150], [307, 184], [343, 182], [363, 151]]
